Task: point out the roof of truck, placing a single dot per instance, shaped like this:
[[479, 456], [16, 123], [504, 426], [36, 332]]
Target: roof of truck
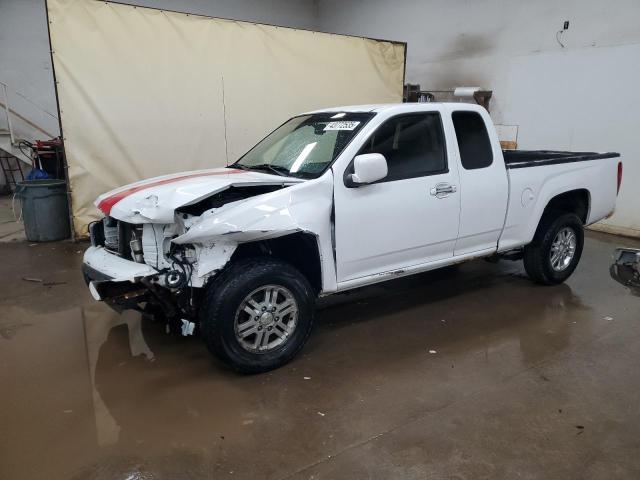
[[358, 108], [381, 107]]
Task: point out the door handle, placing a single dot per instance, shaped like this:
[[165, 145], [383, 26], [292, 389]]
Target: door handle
[[442, 190]]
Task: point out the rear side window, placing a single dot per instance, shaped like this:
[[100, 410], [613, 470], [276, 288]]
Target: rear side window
[[412, 144], [473, 140]]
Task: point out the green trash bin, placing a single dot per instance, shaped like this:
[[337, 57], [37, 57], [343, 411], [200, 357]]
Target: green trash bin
[[45, 209]]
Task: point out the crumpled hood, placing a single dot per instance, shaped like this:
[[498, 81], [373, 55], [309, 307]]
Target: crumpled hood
[[155, 200]]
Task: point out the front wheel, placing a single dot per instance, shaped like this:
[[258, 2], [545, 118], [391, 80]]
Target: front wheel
[[556, 248], [258, 315]]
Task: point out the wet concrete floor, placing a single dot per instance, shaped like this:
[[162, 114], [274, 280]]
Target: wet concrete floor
[[468, 373]]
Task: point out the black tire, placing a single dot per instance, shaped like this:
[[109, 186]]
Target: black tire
[[223, 298], [537, 255]]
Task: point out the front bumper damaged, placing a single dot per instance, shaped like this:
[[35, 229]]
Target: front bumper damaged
[[117, 281], [104, 265], [127, 285]]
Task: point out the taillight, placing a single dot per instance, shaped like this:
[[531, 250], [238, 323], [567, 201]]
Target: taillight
[[619, 177]]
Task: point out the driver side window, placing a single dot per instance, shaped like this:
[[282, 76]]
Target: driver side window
[[413, 145]]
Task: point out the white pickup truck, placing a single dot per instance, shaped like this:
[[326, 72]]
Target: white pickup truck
[[334, 200]]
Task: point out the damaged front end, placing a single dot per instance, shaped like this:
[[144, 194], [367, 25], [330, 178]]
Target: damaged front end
[[145, 263], [126, 273]]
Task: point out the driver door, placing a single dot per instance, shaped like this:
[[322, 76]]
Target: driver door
[[408, 218]]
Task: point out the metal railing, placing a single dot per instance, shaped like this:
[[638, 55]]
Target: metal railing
[[7, 111]]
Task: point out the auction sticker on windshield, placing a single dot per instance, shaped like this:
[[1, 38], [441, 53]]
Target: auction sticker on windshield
[[344, 125]]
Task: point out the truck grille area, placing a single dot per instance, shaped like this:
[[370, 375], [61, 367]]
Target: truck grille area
[[115, 236], [111, 234]]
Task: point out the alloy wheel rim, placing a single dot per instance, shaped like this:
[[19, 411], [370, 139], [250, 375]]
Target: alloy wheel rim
[[563, 249], [266, 318]]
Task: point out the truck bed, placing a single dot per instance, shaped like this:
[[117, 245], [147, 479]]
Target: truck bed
[[534, 158]]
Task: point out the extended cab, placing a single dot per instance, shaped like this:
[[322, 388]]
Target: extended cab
[[333, 200]]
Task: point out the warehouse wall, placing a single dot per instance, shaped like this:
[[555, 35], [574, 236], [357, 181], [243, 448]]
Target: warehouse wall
[[25, 63], [585, 96]]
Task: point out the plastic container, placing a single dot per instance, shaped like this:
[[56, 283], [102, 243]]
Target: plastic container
[[45, 209]]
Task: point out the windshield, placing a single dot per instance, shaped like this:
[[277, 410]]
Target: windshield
[[306, 145]]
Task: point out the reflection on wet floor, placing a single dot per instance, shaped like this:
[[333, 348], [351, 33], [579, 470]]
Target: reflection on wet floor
[[93, 394]]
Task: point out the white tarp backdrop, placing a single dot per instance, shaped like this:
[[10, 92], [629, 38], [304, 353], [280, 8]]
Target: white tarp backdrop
[[146, 92]]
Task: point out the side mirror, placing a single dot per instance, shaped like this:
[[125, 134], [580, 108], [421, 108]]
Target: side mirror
[[367, 168]]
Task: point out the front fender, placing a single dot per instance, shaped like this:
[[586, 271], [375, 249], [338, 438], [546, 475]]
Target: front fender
[[305, 207]]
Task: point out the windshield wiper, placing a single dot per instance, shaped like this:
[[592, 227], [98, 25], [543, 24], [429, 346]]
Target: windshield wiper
[[282, 171], [238, 165]]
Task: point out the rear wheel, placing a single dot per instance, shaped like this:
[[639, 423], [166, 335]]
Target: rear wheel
[[257, 315], [556, 248]]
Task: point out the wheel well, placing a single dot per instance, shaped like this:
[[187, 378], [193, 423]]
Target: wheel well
[[300, 249], [574, 201]]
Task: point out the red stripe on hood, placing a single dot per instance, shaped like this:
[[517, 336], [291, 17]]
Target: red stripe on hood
[[106, 204]]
